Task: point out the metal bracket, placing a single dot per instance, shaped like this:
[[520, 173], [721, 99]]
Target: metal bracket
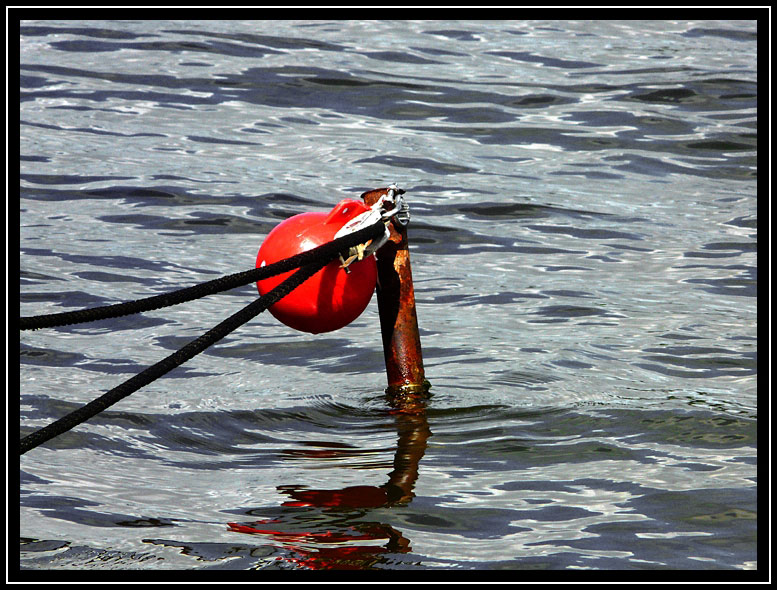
[[398, 211]]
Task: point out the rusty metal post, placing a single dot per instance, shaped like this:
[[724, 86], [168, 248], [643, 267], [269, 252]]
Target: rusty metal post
[[396, 306]]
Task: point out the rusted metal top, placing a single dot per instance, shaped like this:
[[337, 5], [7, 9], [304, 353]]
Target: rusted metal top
[[396, 305]]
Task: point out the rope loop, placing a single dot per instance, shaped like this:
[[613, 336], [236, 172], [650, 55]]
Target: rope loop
[[309, 263], [330, 250]]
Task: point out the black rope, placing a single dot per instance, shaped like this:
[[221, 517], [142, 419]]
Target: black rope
[[328, 250], [171, 362], [323, 256]]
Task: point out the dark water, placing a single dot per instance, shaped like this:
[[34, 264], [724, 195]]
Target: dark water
[[583, 239]]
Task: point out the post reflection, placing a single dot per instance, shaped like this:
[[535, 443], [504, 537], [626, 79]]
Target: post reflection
[[325, 528]]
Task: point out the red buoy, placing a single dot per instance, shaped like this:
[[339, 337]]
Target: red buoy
[[331, 298]]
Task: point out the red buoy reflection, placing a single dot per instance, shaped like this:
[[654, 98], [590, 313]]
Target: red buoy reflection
[[318, 528]]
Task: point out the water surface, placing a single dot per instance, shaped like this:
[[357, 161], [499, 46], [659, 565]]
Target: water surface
[[583, 240]]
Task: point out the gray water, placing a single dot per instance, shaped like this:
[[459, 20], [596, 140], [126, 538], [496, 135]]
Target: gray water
[[583, 241]]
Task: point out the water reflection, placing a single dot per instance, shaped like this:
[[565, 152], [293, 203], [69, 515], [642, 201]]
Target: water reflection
[[322, 528]]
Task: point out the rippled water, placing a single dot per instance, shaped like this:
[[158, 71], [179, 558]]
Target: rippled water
[[583, 241]]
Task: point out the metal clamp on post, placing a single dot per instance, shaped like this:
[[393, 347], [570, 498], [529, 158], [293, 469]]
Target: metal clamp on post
[[391, 205], [401, 211]]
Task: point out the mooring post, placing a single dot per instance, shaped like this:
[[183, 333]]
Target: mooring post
[[396, 306]]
